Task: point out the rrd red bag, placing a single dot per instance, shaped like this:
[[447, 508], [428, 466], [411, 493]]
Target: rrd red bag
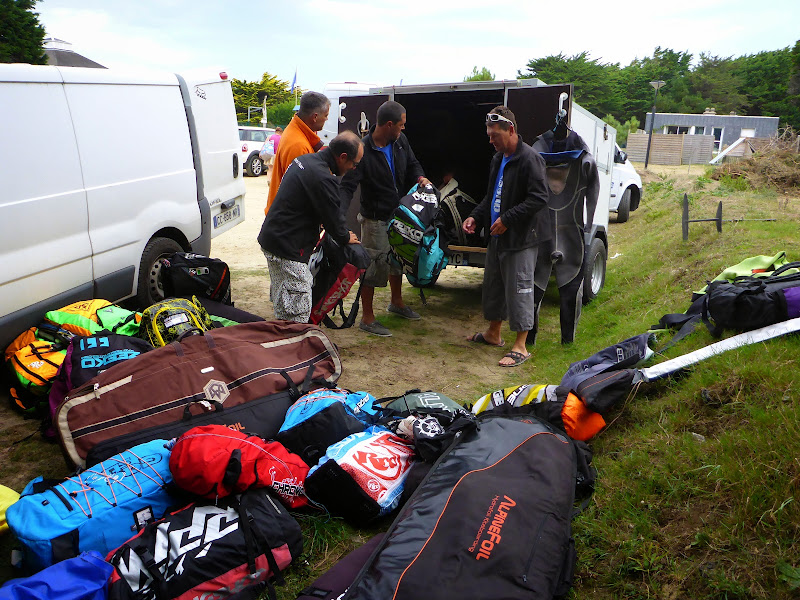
[[214, 461], [335, 270]]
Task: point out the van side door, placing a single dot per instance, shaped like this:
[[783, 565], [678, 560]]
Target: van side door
[[133, 140]]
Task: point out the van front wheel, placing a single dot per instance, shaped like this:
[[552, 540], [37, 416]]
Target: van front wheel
[[594, 270], [624, 208], [150, 289]]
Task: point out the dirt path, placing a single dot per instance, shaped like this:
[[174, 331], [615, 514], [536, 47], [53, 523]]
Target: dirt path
[[431, 353]]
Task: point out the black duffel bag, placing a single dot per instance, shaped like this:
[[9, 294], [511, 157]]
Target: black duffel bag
[[185, 274], [749, 303], [237, 547]]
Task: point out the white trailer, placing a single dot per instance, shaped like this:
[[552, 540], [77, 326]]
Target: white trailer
[[446, 128]]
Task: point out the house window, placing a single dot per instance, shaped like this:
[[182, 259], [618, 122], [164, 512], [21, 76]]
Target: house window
[[677, 129], [699, 130], [717, 133], [748, 133]]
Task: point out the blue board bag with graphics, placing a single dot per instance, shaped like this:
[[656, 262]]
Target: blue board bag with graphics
[[96, 509]]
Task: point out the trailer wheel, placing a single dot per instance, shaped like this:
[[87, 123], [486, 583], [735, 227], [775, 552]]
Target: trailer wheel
[[150, 289], [624, 208], [595, 273], [254, 166]]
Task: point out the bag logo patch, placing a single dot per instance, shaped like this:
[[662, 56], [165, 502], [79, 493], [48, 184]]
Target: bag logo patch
[[408, 232], [216, 391], [382, 460], [199, 271], [495, 519]]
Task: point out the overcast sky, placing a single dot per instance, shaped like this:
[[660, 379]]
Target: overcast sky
[[416, 41]]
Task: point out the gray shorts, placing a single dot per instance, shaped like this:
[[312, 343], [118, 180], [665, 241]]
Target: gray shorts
[[508, 287], [375, 241], [289, 288]]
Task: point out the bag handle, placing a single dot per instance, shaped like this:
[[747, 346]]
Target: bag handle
[[187, 412], [252, 547], [349, 320], [149, 561]]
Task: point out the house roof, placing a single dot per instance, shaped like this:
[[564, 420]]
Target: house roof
[[68, 58], [59, 54]]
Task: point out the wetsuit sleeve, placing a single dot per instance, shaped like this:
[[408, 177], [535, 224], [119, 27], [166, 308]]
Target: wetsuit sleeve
[[589, 172]]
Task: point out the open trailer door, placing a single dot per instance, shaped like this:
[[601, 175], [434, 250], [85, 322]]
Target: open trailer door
[[358, 115], [358, 112], [536, 108]]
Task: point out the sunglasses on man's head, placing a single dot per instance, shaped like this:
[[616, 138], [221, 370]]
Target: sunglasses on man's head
[[495, 118]]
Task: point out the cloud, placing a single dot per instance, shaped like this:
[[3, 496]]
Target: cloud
[[101, 36]]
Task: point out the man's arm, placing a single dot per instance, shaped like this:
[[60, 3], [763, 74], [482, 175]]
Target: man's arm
[[348, 186], [414, 173], [327, 205], [536, 195]]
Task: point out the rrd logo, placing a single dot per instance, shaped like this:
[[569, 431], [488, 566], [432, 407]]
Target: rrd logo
[[216, 391]]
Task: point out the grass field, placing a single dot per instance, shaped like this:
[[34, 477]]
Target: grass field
[[699, 475]]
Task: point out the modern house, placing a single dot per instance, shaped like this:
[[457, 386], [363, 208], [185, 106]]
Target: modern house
[[726, 129]]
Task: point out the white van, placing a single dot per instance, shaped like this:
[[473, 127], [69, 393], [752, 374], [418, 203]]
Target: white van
[[626, 186], [98, 220]]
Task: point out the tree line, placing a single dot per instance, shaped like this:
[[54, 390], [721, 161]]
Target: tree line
[[762, 84]]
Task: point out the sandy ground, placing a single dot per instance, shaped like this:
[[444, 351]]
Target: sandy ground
[[384, 366]]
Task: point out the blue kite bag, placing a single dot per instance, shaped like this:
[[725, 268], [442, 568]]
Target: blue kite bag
[[84, 577], [324, 417], [98, 509]]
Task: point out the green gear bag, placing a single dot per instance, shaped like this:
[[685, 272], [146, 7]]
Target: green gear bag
[[119, 320], [172, 319], [79, 318], [756, 266]]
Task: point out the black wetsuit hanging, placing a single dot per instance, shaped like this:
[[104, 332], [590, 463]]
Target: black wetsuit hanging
[[572, 183]]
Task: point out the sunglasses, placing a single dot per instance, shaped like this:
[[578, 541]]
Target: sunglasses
[[495, 118]]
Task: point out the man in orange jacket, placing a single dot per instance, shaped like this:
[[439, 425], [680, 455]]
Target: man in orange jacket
[[300, 137]]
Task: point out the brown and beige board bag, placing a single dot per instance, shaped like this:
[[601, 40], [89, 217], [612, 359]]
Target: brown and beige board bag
[[244, 376]]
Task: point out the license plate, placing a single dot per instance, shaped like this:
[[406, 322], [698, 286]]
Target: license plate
[[228, 215], [457, 258]]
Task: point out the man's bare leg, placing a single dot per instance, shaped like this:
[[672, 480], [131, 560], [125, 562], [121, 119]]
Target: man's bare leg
[[519, 346], [367, 312], [396, 286]]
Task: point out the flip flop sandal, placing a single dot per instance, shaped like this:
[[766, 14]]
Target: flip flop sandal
[[479, 339], [517, 357]]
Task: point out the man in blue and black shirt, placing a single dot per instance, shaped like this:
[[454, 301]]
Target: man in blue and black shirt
[[386, 173]]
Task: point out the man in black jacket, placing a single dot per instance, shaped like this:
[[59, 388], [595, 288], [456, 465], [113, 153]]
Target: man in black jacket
[[308, 197], [512, 207], [389, 169]]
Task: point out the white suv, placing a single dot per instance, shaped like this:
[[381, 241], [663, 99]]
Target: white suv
[[626, 186], [251, 140]]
